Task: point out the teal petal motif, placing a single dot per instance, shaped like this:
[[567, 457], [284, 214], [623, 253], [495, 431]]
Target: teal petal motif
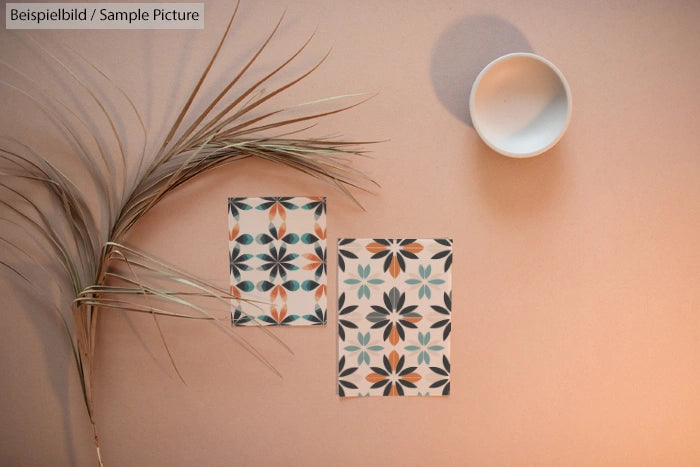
[[423, 338], [425, 282], [363, 290], [423, 291], [290, 239], [364, 340], [245, 239], [308, 238], [309, 285], [364, 357], [424, 357]]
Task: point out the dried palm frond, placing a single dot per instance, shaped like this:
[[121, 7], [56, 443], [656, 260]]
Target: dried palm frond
[[89, 248]]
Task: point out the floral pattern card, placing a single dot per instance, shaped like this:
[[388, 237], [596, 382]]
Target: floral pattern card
[[394, 309], [277, 257]]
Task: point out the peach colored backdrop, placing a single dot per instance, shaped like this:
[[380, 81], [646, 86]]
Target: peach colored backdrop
[[576, 320]]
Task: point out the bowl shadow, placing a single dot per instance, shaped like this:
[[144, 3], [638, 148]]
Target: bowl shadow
[[463, 50]]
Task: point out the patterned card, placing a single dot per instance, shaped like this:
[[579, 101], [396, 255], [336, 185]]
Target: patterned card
[[394, 307], [277, 257]]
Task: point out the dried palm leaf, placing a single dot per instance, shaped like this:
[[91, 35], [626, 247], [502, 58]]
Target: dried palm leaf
[[104, 272]]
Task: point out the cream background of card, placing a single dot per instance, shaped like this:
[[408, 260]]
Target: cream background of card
[[576, 323]]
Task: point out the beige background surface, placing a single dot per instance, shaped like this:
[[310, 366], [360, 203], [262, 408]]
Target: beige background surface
[[576, 318]]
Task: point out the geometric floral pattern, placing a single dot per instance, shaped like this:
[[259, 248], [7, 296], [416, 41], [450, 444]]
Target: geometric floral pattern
[[277, 257], [394, 309]]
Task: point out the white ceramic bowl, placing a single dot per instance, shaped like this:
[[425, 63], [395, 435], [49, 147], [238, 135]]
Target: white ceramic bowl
[[520, 105]]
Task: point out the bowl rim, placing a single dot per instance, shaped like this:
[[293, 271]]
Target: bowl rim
[[474, 118]]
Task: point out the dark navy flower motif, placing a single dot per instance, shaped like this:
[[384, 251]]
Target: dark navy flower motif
[[277, 205], [266, 286], [239, 318], [318, 318], [318, 205], [278, 262], [243, 286], [344, 253], [311, 238], [443, 382], [278, 317], [243, 239], [395, 251], [342, 373], [278, 290], [277, 234], [342, 312], [233, 234], [393, 377], [236, 204], [237, 262], [317, 261], [321, 289], [444, 310], [394, 316], [446, 253]]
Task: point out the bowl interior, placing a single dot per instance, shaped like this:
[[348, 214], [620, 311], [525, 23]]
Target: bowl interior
[[520, 105]]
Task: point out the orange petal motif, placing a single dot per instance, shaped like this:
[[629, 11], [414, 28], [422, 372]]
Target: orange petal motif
[[393, 359], [393, 391], [278, 316], [315, 261], [320, 292], [320, 233], [394, 335], [282, 230], [235, 292], [234, 232], [411, 377], [413, 247], [375, 247], [375, 377], [278, 291], [394, 267]]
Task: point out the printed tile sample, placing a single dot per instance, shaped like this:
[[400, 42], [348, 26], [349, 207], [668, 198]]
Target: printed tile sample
[[394, 307], [277, 257]]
